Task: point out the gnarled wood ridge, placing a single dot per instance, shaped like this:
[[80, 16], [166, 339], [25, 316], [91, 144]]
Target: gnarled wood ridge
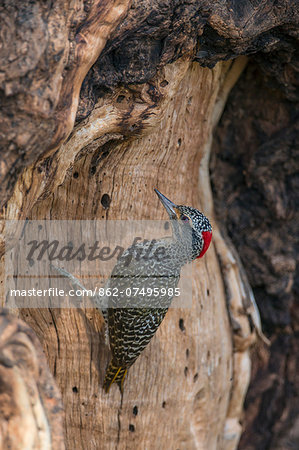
[[101, 102]]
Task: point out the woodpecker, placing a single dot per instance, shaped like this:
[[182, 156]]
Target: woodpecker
[[131, 320], [132, 326]]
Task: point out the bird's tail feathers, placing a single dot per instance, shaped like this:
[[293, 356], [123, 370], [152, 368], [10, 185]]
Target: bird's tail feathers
[[114, 374]]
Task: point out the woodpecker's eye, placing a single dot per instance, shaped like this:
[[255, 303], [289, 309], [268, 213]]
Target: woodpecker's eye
[[184, 218]]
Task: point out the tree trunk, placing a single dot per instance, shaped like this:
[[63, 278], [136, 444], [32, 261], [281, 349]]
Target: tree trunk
[[31, 409], [194, 353], [145, 116]]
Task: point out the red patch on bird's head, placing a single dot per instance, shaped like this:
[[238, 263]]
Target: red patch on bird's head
[[207, 237]]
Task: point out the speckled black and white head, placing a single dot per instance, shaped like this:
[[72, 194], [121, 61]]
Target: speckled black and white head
[[189, 225]]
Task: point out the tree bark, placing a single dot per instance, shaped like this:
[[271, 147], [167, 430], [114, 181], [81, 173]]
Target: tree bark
[[102, 103], [31, 414], [256, 199]]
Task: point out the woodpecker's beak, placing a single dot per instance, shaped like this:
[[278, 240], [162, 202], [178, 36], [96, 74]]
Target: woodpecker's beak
[[168, 205]]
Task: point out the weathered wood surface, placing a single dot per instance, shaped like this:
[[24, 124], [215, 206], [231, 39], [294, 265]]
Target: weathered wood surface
[[197, 356], [145, 119], [31, 414]]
